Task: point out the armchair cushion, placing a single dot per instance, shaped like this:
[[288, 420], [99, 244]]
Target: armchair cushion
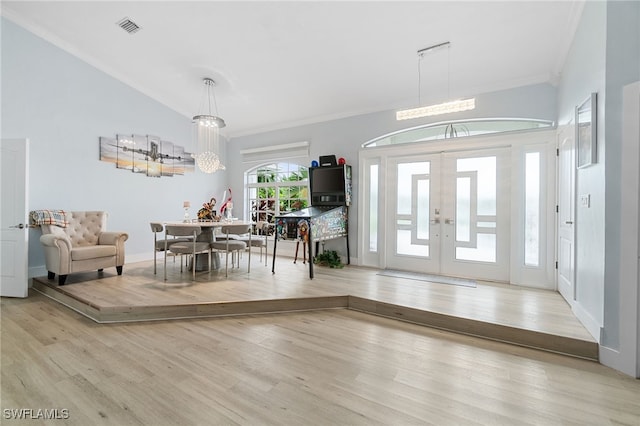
[[92, 252]]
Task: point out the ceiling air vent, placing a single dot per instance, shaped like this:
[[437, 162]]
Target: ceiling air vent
[[128, 25]]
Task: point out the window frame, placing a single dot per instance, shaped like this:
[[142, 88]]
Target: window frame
[[273, 206]]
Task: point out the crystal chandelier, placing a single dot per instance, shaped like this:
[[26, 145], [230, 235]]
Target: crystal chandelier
[[207, 135]]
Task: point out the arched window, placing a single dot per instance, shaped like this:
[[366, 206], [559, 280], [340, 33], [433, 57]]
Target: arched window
[[459, 129], [276, 188]]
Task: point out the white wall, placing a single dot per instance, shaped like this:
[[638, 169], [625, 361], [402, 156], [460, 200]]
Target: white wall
[[604, 57], [344, 137], [63, 105], [621, 316], [584, 73]]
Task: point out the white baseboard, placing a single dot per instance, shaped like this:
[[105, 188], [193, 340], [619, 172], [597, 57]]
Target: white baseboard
[[614, 359], [592, 326]]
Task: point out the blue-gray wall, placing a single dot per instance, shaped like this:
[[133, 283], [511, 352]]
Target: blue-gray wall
[[604, 57], [344, 137], [622, 68], [63, 105], [583, 74]]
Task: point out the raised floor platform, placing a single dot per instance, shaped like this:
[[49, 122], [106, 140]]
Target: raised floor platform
[[522, 316]]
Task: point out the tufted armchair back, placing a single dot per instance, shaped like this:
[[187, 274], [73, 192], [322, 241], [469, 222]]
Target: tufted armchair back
[[83, 230]]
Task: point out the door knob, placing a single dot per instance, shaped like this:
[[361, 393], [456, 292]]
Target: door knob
[[569, 222], [449, 221], [20, 226], [435, 221]]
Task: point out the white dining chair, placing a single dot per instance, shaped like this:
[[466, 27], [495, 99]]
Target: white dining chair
[[259, 238], [232, 246], [160, 244], [191, 247]]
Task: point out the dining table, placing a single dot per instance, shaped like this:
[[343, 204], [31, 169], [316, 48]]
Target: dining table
[[208, 235]]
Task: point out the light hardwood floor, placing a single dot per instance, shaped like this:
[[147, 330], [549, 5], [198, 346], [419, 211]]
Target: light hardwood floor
[[320, 367], [524, 316]]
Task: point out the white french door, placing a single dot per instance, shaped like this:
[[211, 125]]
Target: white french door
[[449, 214]]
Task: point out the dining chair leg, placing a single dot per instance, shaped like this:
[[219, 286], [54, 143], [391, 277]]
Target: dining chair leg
[[165, 267]]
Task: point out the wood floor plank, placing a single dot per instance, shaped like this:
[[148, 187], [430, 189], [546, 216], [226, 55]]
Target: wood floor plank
[[528, 317], [318, 367], [526, 308]]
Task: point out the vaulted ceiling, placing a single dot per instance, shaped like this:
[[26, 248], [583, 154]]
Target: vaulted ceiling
[[278, 64]]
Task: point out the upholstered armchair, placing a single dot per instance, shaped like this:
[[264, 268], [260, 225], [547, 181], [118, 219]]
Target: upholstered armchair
[[82, 245]]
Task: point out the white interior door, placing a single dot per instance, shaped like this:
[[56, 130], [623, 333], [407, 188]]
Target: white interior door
[[449, 214], [14, 243], [566, 212]]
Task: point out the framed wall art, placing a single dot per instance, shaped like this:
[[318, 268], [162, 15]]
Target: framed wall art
[[586, 141], [148, 155]]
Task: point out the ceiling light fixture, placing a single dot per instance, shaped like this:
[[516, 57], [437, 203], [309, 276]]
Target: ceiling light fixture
[[443, 108], [207, 134]]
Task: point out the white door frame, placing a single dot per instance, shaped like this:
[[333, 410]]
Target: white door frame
[[544, 141], [14, 243]]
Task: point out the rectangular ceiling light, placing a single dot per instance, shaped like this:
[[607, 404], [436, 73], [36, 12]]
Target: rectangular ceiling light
[[444, 108]]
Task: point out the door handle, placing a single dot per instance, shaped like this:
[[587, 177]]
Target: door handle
[[435, 221], [449, 221], [20, 226], [569, 222]]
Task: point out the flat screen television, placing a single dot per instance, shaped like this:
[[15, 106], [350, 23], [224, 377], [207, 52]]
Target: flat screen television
[[330, 185]]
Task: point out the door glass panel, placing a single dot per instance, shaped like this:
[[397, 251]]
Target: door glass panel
[[486, 172], [476, 197], [532, 209], [422, 211], [406, 171], [412, 209], [486, 224], [463, 209], [373, 208], [485, 251], [406, 247]]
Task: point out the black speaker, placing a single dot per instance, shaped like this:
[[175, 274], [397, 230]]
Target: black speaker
[[328, 160]]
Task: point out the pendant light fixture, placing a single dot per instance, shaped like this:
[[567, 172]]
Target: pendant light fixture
[[206, 128], [443, 108]]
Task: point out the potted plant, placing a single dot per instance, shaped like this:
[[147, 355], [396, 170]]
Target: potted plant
[[328, 258]]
